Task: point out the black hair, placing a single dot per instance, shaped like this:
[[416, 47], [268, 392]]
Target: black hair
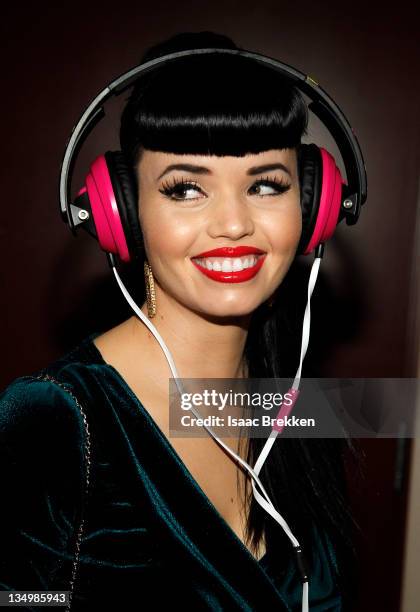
[[210, 105], [230, 105]]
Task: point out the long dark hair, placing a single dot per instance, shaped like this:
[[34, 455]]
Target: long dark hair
[[228, 105]]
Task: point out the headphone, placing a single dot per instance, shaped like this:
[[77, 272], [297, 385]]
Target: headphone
[[106, 206]]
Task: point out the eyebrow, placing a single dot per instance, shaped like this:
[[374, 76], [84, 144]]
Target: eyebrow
[[203, 170]]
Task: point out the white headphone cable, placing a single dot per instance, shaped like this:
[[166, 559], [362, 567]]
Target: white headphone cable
[[265, 501]]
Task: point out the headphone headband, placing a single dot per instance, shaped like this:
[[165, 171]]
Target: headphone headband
[[321, 105]]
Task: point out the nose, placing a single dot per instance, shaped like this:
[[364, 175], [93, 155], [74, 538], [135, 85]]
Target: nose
[[230, 218]]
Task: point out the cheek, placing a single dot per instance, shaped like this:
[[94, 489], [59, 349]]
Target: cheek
[[166, 233], [284, 228]]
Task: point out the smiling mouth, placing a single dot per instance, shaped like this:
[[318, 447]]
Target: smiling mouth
[[230, 269], [228, 264]]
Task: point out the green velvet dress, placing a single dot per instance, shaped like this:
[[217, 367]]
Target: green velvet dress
[[95, 501]]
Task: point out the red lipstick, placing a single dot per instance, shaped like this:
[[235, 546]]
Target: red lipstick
[[237, 251], [231, 277]]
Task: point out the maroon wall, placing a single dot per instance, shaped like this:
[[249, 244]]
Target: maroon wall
[[56, 288]]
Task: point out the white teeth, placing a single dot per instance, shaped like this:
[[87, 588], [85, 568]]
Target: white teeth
[[228, 264], [237, 265]]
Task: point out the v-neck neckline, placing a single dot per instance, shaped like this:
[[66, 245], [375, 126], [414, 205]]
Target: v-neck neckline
[[88, 342]]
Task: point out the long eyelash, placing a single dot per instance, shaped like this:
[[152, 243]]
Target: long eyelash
[[168, 188], [281, 185]]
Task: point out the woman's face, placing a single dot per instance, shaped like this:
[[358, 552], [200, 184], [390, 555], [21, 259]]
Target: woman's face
[[209, 202]]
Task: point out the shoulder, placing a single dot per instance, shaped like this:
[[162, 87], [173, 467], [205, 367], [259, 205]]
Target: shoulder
[[41, 421], [53, 391], [62, 401], [35, 401]]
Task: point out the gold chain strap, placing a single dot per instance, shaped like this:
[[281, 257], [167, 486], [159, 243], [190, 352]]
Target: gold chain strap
[[87, 483]]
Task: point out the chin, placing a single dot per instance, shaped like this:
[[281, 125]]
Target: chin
[[228, 310]]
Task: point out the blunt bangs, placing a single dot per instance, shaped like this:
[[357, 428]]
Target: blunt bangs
[[212, 105]]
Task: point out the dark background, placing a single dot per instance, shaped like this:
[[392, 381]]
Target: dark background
[[56, 288]]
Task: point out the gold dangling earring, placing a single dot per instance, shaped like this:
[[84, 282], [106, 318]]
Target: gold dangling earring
[[150, 290]]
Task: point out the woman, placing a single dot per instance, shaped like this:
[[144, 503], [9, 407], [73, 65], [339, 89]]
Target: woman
[[100, 501]]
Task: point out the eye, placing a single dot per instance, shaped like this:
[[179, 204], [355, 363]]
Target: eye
[[279, 185], [179, 187]]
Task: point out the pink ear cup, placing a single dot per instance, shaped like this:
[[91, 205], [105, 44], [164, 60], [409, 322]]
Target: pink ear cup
[[106, 217], [329, 207]]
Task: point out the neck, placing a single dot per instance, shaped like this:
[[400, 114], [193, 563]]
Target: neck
[[201, 346]]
